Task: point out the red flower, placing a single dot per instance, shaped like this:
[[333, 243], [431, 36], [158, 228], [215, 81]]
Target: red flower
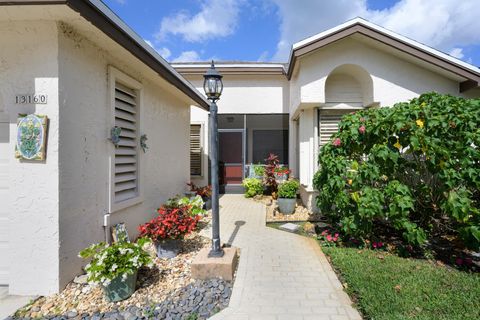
[[362, 129], [337, 142], [459, 261]]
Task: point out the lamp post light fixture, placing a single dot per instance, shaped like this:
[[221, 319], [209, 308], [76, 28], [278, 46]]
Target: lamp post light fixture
[[213, 87]]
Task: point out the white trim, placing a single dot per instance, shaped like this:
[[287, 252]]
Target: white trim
[[392, 34], [228, 65], [114, 76]]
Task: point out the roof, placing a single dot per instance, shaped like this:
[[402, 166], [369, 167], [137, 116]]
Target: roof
[[232, 67], [390, 38], [97, 13]]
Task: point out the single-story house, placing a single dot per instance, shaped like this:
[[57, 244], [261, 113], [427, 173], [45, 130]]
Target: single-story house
[[292, 109], [79, 65]]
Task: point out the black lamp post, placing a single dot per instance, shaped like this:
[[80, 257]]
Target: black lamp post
[[213, 87]]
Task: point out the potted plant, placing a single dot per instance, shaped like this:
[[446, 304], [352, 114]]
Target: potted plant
[[166, 230], [115, 266], [287, 196]]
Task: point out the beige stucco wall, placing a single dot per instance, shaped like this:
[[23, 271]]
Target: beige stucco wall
[[57, 206], [85, 113], [28, 65]]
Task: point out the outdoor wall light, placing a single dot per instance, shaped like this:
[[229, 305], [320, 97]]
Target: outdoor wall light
[[212, 83], [213, 87]]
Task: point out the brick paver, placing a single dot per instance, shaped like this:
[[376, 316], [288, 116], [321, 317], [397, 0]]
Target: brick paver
[[280, 275]]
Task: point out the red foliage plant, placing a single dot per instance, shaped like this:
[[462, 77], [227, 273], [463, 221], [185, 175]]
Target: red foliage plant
[[270, 179], [171, 223], [204, 192]]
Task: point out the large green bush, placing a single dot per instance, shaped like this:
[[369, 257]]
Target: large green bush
[[414, 168], [253, 187]]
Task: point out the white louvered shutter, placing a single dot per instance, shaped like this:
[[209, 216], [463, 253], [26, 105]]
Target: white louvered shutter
[[195, 150], [126, 154], [328, 125]]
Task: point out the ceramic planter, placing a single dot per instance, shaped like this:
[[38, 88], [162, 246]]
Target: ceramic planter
[[207, 203], [286, 206], [168, 248], [119, 290]]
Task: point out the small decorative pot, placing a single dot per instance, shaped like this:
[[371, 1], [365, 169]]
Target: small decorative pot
[[207, 205], [168, 248], [286, 206], [119, 290]]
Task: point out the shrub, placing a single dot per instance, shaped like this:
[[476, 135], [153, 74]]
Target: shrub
[[414, 168], [258, 170], [205, 192], [270, 177], [171, 223], [288, 189], [193, 205], [115, 260], [253, 187]]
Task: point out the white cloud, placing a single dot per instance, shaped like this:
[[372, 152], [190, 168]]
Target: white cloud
[[216, 19], [164, 51], [263, 57], [457, 53], [187, 56], [442, 24]]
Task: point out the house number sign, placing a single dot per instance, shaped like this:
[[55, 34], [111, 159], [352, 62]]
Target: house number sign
[[31, 98]]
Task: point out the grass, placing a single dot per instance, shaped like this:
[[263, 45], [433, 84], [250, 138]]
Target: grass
[[385, 286]]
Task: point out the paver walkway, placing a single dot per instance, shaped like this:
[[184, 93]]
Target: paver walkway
[[280, 275]]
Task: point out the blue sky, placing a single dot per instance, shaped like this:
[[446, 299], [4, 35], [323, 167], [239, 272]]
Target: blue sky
[[264, 30]]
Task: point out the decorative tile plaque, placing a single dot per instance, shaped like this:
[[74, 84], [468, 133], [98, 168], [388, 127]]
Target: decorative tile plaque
[[31, 137]]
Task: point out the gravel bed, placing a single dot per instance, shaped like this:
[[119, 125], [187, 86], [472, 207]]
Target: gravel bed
[[273, 215], [165, 291]]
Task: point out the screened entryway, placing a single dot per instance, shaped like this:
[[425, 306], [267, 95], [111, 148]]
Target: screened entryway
[[246, 139]]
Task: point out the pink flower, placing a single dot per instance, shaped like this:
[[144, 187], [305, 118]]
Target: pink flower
[[336, 235], [324, 232], [361, 129], [337, 142], [380, 244], [374, 245], [329, 238], [335, 239]]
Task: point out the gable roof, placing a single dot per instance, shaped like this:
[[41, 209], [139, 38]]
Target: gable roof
[[97, 13], [470, 73]]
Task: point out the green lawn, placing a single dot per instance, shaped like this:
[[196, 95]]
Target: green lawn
[[385, 286]]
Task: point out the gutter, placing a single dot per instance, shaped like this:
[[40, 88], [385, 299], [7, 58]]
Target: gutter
[[97, 13]]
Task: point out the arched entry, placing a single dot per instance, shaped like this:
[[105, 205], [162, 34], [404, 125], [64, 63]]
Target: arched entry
[[348, 87]]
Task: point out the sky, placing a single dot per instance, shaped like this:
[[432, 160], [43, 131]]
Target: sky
[[264, 30]]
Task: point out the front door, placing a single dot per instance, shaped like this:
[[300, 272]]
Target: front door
[[231, 157]]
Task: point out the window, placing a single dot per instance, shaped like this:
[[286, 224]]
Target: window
[[328, 125], [125, 158], [196, 150]]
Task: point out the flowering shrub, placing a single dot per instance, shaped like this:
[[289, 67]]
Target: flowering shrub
[[171, 223], [116, 260], [253, 187], [414, 168], [328, 239]]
